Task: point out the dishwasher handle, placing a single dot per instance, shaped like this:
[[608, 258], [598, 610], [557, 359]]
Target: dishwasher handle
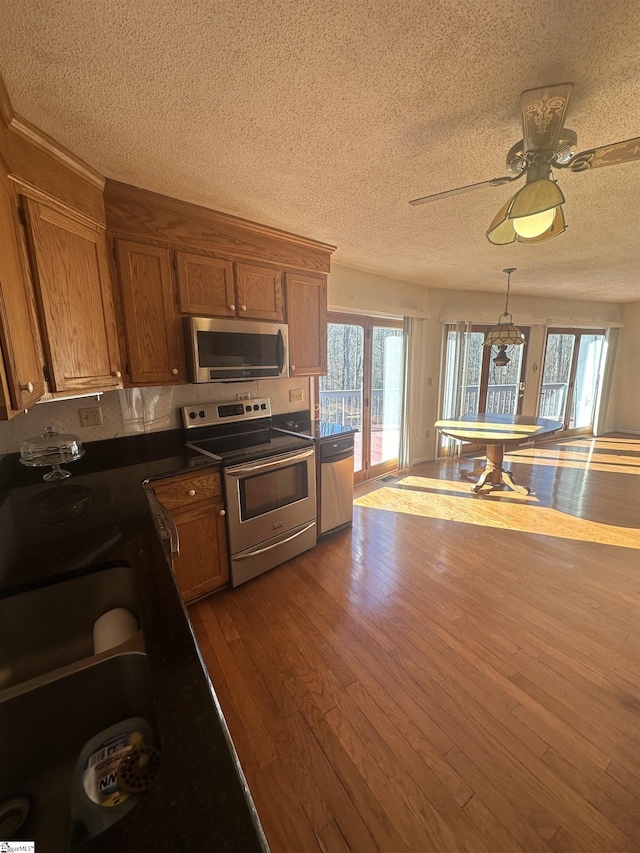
[[339, 457]]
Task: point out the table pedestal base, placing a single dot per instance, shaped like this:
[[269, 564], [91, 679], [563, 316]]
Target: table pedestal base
[[492, 475]]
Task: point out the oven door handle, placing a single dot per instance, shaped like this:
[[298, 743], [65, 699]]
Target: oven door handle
[[278, 462], [276, 544]]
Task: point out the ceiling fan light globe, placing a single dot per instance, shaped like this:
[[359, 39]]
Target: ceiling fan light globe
[[535, 225], [535, 197]]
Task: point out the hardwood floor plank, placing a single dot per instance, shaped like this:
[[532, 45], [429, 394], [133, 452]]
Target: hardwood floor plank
[[460, 679]]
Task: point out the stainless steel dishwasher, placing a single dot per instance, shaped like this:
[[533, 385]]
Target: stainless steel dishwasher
[[335, 482]]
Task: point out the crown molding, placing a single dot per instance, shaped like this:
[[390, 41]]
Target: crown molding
[[43, 142]]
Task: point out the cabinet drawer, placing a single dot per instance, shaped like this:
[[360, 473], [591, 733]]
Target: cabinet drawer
[[183, 491]]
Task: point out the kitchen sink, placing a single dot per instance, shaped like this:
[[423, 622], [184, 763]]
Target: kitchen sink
[[45, 729], [56, 694], [51, 627]]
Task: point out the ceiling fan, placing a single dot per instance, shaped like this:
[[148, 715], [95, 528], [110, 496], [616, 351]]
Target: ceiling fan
[[535, 213]]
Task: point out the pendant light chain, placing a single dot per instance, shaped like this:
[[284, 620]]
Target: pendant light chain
[[508, 271]]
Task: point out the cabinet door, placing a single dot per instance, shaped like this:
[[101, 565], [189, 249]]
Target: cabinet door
[[307, 319], [18, 330], [259, 293], [73, 288], [153, 329], [202, 564], [205, 285]]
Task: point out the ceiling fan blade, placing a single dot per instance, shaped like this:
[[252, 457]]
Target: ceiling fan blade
[[494, 182], [607, 155], [543, 115]]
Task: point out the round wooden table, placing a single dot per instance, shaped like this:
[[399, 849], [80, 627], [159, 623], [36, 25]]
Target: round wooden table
[[497, 432]]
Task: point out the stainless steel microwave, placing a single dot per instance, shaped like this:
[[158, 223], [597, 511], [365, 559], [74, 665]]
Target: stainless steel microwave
[[233, 350]]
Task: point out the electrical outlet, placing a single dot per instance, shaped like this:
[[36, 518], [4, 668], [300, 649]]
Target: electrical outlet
[[296, 395], [91, 416], [246, 396]]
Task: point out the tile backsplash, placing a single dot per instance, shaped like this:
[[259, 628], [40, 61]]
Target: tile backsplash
[[136, 410]]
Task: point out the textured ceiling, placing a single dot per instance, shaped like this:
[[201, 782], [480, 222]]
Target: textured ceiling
[[325, 118]]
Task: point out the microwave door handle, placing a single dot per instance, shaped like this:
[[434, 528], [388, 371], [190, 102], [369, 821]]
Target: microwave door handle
[[280, 351], [281, 462]]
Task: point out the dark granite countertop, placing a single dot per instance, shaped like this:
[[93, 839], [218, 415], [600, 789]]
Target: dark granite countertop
[[199, 801], [317, 430]]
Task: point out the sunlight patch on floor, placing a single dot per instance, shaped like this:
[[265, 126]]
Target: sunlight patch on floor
[[534, 519], [533, 457]]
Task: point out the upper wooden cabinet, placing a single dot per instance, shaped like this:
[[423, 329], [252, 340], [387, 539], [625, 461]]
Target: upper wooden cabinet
[[152, 326], [205, 285], [259, 291], [307, 318], [71, 278], [18, 330], [209, 285]]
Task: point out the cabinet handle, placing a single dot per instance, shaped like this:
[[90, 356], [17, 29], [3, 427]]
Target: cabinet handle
[[191, 492], [27, 387], [117, 374], [232, 307], [222, 512], [243, 307], [175, 371]]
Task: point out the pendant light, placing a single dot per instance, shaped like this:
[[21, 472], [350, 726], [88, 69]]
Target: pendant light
[[505, 333]]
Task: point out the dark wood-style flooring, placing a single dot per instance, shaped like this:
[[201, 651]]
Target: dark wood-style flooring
[[457, 673]]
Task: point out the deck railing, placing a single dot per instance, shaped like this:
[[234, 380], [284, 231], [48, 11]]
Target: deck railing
[[345, 406]]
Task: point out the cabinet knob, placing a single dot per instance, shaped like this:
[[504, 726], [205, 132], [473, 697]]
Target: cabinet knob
[[28, 386], [293, 367], [222, 512], [243, 307], [117, 374], [191, 492], [175, 371], [232, 307]]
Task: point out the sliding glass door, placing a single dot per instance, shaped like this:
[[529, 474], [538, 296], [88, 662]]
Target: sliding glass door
[[571, 376], [363, 388]]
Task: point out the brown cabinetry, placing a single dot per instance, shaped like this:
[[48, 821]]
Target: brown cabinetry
[[152, 325], [74, 299], [259, 291], [209, 285], [196, 506], [18, 330], [307, 318], [205, 285]]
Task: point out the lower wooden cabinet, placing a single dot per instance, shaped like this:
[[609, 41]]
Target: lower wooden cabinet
[[196, 506]]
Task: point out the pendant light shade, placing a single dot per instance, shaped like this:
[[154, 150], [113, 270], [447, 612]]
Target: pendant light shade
[[505, 334], [533, 214]]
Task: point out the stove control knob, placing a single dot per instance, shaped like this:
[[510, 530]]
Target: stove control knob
[[247, 408], [193, 416], [256, 408], [263, 405], [203, 413]]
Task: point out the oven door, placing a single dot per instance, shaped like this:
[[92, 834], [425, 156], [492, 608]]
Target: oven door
[[270, 496]]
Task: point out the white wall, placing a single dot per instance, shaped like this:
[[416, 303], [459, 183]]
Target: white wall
[[358, 291], [624, 408]]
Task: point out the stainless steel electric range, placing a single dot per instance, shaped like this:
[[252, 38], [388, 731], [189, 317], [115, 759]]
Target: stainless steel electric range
[[269, 481]]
